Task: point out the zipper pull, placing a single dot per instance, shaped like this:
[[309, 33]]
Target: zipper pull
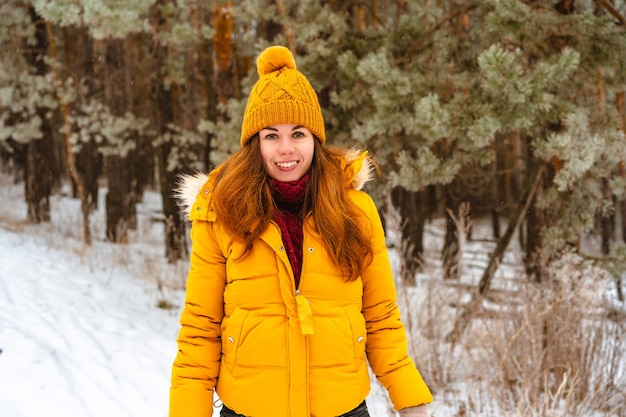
[[305, 314]]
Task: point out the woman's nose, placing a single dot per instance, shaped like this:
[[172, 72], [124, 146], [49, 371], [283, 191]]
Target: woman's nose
[[285, 146]]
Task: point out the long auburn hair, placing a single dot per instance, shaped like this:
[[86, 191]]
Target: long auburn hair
[[244, 204]]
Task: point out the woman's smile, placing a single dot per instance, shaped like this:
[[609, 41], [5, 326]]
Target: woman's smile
[[286, 165]]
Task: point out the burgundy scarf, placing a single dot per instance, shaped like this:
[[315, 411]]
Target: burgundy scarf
[[289, 199]]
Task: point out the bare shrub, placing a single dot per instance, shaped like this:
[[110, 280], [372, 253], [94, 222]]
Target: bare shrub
[[555, 351], [550, 349], [427, 317]]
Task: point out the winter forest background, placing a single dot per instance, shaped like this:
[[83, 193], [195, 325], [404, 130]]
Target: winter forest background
[[500, 126]]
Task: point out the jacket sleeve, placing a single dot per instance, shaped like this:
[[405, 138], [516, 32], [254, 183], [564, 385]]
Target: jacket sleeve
[[196, 366], [387, 344]]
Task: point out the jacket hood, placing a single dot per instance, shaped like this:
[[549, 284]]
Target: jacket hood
[[357, 170]]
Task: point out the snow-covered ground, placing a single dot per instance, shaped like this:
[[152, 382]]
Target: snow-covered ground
[[77, 341], [80, 331]]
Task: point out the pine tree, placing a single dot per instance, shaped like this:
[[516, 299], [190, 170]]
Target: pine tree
[[433, 91]]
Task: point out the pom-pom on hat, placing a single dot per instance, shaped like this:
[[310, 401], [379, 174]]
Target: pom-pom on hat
[[281, 96]]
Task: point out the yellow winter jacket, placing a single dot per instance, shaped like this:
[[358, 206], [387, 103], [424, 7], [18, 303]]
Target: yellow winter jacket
[[271, 350]]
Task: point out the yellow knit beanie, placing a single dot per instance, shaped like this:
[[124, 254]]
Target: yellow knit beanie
[[281, 96]]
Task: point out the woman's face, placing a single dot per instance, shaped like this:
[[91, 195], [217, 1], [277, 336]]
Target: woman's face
[[287, 151]]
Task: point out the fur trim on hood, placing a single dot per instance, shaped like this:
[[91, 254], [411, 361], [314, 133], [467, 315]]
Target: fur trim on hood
[[357, 167], [187, 190]]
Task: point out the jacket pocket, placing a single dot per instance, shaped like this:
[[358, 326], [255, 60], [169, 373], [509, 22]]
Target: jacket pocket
[[252, 339], [339, 338], [359, 333], [260, 263], [231, 332]]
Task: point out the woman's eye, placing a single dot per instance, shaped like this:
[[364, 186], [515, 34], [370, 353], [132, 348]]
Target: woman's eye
[[271, 136], [298, 135]]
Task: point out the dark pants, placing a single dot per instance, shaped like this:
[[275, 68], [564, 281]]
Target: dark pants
[[360, 411]]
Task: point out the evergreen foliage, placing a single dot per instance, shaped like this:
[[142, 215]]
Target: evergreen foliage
[[450, 96], [21, 91]]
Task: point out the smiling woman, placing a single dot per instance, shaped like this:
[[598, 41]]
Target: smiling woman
[[290, 292]]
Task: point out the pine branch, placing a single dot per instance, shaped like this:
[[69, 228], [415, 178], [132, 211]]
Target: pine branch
[[411, 50], [612, 10]]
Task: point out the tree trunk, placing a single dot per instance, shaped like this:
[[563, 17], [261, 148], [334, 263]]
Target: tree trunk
[[412, 209], [120, 199], [207, 93], [134, 162], [360, 21], [165, 101], [517, 154], [37, 177], [607, 221], [142, 107], [621, 110], [74, 51], [536, 221], [622, 214], [496, 196], [39, 166], [515, 223], [223, 57], [618, 279]]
